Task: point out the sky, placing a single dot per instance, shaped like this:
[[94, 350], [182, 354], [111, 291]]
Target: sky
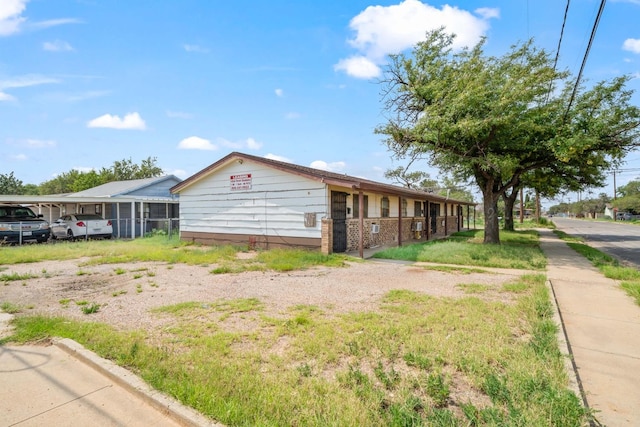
[[85, 83]]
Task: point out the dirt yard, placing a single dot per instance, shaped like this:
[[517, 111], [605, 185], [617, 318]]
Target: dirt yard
[[127, 292]]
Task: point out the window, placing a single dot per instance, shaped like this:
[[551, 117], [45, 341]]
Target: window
[[404, 208], [356, 206], [384, 207], [417, 208]]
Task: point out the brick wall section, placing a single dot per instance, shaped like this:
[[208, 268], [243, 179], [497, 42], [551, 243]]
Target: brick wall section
[[389, 231], [388, 234], [326, 232]]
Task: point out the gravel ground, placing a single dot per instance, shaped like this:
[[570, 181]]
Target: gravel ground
[[127, 292]]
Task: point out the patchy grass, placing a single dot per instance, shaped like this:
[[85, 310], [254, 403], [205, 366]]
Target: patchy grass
[[10, 308], [414, 360], [163, 249], [12, 277], [454, 269], [609, 266], [519, 249]]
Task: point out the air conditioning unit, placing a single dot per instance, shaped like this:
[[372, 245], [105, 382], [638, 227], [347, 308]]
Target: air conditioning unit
[[375, 228], [418, 226]]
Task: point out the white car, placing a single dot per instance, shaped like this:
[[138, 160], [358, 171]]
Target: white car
[[81, 226]]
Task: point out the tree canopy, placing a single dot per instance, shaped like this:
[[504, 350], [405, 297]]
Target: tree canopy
[[74, 180], [497, 119]]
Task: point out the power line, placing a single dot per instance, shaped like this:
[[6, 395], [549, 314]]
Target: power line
[[555, 62], [586, 55]]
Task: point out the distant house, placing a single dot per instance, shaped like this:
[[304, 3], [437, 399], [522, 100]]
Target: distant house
[[134, 206], [244, 199]]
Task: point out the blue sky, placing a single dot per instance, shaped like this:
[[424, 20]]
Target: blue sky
[[84, 83]]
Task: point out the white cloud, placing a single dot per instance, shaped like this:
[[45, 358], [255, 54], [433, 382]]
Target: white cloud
[[27, 80], [278, 158], [359, 67], [53, 23], [248, 143], [329, 167], [279, 93], [180, 173], [130, 121], [179, 115], [384, 30], [22, 81], [196, 143], [6, 97], [10, 16], [57, 46], [195, 48], [632, 45], [488, 12], [292, 115], [19, 157], [40, 143]]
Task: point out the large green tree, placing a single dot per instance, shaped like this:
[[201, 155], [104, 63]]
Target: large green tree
[[495, 119], [9, 184]]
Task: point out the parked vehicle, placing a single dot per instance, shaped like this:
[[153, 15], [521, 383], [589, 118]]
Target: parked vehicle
[[18, 224], [81, 226], [624, 216]]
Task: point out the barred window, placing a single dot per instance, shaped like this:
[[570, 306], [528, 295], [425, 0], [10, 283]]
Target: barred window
[[384, 205], [356, 206]]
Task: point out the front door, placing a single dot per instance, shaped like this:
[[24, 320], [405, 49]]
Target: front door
[[339, 217], [435, 213]]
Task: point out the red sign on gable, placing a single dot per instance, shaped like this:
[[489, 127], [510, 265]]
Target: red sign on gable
[[240, 182]]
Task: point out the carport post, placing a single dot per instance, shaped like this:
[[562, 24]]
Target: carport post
[[133, 219]]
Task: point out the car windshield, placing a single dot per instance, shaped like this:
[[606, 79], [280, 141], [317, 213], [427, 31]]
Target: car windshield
[[86, 217], [16, 212]]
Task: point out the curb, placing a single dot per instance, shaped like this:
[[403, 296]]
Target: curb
[[575, 384], [166, 405]]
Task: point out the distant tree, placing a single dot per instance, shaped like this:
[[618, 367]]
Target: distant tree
[[86, 180], [125, 170], [401, 175], [630, 200], [61, 184], [30, 189], [9, 184]]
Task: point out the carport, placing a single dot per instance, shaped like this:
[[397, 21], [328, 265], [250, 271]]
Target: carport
[[131, 214]]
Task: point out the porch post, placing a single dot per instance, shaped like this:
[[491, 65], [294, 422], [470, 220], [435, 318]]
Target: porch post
[[399, 220], [446, 219], [361, 224], [427, 216]]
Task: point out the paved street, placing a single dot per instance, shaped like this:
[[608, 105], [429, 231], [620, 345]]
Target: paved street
[[619, 239]]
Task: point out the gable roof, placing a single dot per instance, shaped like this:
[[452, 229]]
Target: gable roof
[[333, 178], [122, 188]]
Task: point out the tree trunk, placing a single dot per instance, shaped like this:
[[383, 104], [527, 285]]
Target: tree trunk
[[509, 203], [491, 223]]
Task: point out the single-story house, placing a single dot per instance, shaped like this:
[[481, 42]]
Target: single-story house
[[134, 207], [259, 202]]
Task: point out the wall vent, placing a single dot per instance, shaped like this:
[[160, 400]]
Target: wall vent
[[375, 228]]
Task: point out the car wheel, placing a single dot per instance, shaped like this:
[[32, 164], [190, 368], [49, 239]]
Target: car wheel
[[70, 235]]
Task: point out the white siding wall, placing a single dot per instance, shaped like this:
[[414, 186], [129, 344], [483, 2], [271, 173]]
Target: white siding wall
[[274, 206]]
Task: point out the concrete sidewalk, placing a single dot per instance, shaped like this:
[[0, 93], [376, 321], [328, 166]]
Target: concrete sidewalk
[[602, 325], [66, 385]]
